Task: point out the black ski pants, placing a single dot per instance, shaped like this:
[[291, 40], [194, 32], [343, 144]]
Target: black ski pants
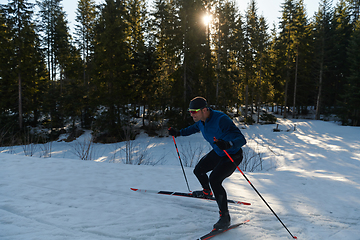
[[222, 167]]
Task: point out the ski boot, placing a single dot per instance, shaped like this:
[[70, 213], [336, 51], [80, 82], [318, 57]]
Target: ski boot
[[224, 221], [205, 193]]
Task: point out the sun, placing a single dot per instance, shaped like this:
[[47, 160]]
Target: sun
[[207, 19]]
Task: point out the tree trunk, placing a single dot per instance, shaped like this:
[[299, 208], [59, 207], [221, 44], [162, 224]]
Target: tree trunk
[[287, 75], [20, 103], [246, 100], [318, 102], [296, 77], [259, 91]]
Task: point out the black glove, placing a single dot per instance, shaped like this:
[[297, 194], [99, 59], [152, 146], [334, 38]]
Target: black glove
[[223, 145], [173, 132]]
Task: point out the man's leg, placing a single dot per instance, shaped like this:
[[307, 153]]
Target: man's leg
[[223, 170], [206, 164]]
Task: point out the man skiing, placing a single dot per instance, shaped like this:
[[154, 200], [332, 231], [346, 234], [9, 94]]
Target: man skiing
[[222, 134]]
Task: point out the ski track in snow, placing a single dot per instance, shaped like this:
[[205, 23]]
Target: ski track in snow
[[310, 179]]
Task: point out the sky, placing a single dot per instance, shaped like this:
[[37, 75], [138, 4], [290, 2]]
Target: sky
[[270, 9]]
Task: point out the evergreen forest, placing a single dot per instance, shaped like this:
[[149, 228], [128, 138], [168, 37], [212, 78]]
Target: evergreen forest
[[127, 59]]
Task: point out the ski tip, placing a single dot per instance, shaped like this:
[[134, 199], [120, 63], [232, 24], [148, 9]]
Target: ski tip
[[134, 189], [243, 203]]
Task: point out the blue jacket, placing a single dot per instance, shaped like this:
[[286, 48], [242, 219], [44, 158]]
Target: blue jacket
[[218, 125]]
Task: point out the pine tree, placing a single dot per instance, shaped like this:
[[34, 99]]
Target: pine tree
[[323, 37], [264, 70], [286, 49], [351, 97], [47, 17], [254, 48], [210, 37], [112, 66], [273, 95], [339, 70], [301, 59], [354, 7], [138, 53], [294, 55], [84, 32], [166, 39], [26, 58], [195, 80], [237, 55], [225, 53], [7, 82], [167, 42], [58, 49]]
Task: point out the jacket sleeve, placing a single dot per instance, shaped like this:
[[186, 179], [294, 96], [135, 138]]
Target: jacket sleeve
[[233, 133], [190, 130]]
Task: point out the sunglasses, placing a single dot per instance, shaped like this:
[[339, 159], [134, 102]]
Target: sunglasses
[[193, 111]]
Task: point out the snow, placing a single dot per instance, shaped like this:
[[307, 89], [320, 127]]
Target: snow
[[311, 179]]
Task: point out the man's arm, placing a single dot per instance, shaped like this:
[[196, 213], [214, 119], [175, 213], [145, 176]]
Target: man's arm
[[233, 133], [190, 130]]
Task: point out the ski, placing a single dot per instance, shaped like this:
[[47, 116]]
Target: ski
[[217, 232], [181, 194]]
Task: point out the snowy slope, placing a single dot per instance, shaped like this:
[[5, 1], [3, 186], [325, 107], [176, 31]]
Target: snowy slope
[[312, 181]]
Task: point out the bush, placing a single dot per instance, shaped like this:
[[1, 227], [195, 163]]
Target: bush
[[249, 120], [268, 118]]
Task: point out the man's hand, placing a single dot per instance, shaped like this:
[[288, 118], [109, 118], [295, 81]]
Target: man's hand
[[223, 145], [173, 132]]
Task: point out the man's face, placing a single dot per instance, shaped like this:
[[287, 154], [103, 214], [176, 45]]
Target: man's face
[[197, 116]]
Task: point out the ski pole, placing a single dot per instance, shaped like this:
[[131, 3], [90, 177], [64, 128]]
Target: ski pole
[[181, 164], [294, 237]]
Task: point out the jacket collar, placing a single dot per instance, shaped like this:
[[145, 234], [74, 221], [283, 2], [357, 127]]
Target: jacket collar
[[210, 116]]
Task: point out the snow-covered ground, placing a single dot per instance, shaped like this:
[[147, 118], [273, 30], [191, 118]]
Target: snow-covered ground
[[311, 179]]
